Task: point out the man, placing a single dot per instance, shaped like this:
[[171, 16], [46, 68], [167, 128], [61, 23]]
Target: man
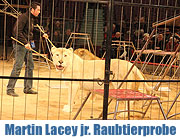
[[23, 31]]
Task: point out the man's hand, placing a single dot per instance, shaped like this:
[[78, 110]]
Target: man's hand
[[45, 36], [28, 46]]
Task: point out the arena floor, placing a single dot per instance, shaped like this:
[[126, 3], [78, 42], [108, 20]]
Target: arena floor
[[49, 102]]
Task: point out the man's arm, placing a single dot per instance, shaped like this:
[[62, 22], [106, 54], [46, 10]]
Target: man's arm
[[21, 22]]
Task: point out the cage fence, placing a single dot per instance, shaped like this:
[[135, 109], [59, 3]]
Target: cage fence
[[139, 38]]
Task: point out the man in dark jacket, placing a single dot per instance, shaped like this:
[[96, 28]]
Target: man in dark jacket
[[23, 31]]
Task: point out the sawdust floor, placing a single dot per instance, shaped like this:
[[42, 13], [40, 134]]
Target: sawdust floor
[[49, 102]]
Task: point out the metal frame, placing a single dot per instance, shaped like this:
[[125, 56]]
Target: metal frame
[[83, 36], [7, 5], [175, 100], [128, 99], [127, 4], [124, 44]]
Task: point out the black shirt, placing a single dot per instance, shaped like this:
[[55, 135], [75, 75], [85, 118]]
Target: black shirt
[[23, 29]]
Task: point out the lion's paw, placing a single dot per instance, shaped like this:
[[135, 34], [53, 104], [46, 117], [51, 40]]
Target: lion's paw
[[66, 108]]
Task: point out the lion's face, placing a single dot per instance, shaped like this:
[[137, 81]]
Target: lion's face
[[62, 57]]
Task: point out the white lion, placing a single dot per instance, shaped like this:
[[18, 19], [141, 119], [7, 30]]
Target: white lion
[[72, 66]]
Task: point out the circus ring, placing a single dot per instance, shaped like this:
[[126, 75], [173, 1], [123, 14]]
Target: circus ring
[[48, 104]]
